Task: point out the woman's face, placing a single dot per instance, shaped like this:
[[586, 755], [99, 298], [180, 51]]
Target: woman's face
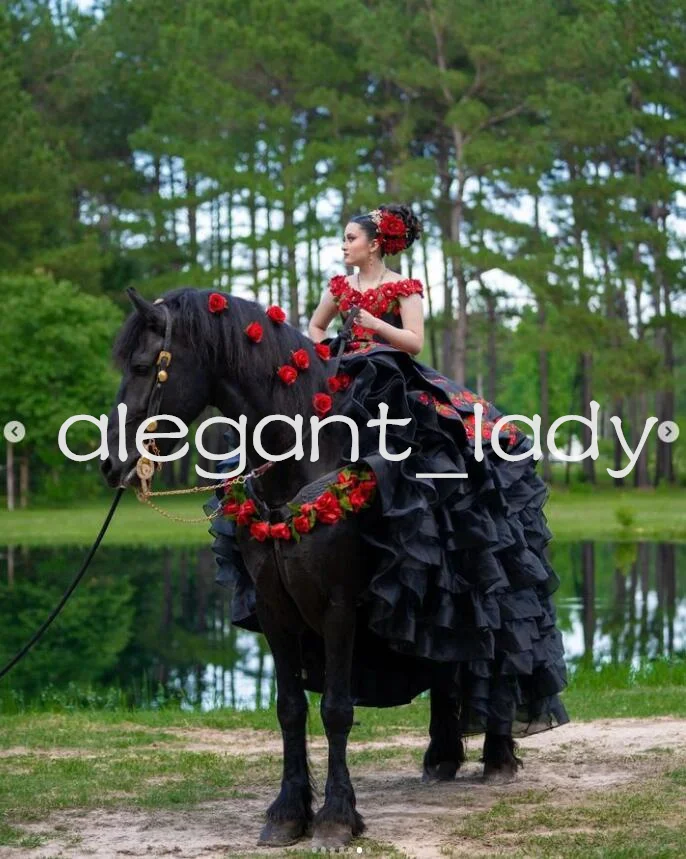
[[356, 245]]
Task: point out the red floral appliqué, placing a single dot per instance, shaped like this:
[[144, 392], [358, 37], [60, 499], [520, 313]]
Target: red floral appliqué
[[384, 298]]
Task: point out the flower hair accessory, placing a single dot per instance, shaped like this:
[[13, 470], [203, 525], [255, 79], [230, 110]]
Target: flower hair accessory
[[217, 302], [391, 229]]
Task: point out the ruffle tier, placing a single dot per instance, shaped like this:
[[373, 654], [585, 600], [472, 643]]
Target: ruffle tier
[[460, 573]]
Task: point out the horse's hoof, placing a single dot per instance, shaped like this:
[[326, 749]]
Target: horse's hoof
[[500, 775], [281, 834], [445, 771], [331, 835]]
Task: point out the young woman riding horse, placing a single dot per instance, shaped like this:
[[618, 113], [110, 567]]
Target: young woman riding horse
[[373, 574]]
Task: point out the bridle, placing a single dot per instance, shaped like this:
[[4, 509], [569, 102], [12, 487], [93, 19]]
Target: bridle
[[145, 467]]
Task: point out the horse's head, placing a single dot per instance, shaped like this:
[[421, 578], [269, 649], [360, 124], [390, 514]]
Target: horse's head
[[214, 362], [163, 372]]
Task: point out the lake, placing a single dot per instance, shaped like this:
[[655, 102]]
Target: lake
[[151, 623]]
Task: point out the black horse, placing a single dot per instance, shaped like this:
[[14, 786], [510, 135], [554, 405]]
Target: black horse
[[309, 587]]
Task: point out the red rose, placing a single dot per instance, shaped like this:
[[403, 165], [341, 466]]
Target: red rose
[[345, 304], [322, 350], [322, 403], [306, 507], [260, 531], [280, 531], [391, 225], [367, 487], [328, 509], [302, 524], [301, 359], [276, 314], [231, 508], [393, 246], [357, 498], [246, 511], [254, 332], [343, 381], [217, 302], [333, 384], [287, 374]]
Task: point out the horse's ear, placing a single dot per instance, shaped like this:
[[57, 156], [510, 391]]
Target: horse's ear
[[152, 314]]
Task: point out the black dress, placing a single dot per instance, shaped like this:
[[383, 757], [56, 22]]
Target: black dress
[[461, 576]]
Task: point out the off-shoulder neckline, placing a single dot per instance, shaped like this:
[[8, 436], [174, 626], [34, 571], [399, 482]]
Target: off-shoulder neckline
[[371, 288]]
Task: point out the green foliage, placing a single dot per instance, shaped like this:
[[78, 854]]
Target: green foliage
[[224, 143], [55, 342]]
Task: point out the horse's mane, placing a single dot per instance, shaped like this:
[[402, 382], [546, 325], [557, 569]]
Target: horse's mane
[[219, 340]]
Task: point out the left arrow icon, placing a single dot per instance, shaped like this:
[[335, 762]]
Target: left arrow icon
[[14, 431]]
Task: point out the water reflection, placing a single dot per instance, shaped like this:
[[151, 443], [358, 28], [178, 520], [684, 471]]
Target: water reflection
[[153, 622], [628, 603]]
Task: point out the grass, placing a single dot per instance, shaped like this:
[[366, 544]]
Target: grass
[[603, 513], [643, 820], [117, 759], [612, 691]]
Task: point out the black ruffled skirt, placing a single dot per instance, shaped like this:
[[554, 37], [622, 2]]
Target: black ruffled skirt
[[461, 577]]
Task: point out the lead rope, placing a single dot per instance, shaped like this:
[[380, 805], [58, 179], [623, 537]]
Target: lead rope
[[25, 649]]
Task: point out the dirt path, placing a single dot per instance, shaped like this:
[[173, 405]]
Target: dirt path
[[418, 820]]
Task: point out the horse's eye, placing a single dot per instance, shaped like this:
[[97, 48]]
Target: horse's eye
[[140, 369]]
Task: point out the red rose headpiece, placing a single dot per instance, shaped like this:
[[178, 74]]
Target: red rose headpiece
[[391, 229]]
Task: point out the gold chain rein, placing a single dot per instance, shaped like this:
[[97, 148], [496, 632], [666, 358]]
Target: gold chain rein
[[146, 470]]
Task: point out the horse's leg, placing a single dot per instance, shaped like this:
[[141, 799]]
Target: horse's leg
[[500, 761], [337, 821], [289, 815], [445, 753]]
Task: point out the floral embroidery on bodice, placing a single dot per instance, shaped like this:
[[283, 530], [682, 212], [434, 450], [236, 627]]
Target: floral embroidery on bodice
[[382, 300]]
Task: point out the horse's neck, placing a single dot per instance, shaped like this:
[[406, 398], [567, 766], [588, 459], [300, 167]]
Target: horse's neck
[[284, 478]]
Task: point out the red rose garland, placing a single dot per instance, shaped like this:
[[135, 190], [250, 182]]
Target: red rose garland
[[352, 491]]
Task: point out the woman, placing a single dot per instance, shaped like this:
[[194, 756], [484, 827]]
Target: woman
[[460, 576]]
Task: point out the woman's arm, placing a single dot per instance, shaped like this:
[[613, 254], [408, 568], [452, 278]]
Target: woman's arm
[[409, 338], [325, 312]]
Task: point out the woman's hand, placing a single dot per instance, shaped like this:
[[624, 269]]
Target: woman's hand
[[367, 320]]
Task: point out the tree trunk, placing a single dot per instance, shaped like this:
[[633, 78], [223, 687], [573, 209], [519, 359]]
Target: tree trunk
[[24, 480], [586, 397], [459, 371], [433, 346], [192, 214], [544, 395], [10, 475], [289, 235]]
